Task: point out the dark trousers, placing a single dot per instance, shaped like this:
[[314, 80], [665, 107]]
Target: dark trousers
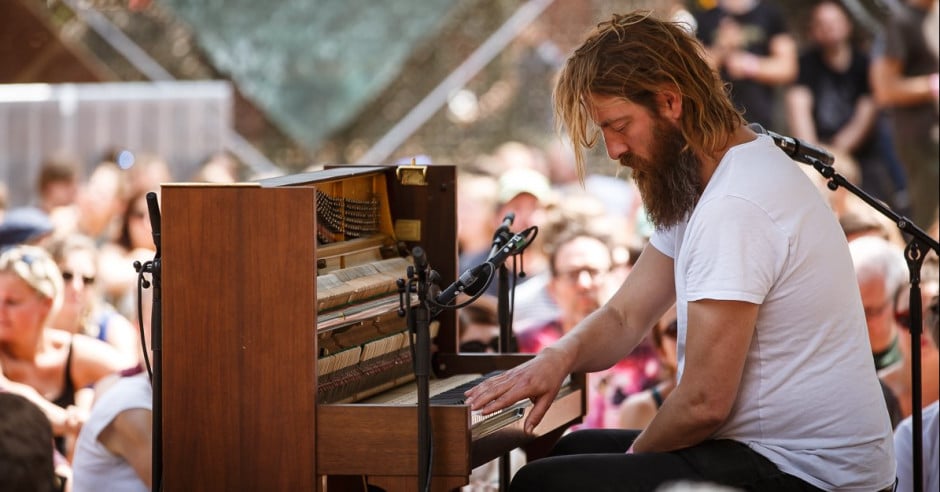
[[594, 460]]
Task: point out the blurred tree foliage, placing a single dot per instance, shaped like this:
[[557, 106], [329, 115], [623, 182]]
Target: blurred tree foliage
[[321, 81]]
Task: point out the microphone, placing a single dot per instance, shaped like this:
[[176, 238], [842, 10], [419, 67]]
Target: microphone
[[471, 278], [515, 245], [501, 231], [507, 222], [467, 279], [797, 149], [154, 208]]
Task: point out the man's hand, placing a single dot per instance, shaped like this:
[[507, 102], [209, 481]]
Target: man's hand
[[538, 379]]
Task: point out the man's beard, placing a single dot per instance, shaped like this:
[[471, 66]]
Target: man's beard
[[670, 181]]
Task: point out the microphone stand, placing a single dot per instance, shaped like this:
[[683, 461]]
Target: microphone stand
[[914, 253], [156, 340], [418, 318], [505, 333]]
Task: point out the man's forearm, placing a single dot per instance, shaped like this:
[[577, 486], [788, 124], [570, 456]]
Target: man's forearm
[[678, 424], [594, 344]]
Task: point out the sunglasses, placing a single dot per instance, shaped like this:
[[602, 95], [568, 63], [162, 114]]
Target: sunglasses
[[68, 276]]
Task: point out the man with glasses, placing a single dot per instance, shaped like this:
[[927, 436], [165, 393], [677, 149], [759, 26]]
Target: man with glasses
[[579, 263], [881, 271]]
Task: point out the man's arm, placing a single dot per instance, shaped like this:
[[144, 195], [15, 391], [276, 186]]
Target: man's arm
[[130, 436], [891, 88], [611, 332], [779, 67], [859, 126], [799, 110], [719, 334], [599, 341]]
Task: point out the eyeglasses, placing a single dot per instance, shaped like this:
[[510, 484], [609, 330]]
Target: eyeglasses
[[482, 346], [574, 275], [69, 276]]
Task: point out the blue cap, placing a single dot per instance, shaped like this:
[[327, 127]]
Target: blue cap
[[24, 225]]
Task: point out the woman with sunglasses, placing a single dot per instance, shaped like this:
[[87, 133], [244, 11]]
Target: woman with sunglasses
[[54, 363], [83, 310]]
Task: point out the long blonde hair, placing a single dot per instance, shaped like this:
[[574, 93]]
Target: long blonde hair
[[633, 56]]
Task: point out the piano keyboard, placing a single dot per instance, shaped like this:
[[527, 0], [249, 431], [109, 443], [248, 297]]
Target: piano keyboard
[[448, 391]]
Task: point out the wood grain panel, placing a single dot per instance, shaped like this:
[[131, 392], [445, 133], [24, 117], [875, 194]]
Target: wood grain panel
[[239, 329]]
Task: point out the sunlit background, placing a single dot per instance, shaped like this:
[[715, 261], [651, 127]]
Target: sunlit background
[[289, 85]]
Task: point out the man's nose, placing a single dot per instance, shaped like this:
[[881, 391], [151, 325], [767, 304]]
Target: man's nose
[[615, 148]]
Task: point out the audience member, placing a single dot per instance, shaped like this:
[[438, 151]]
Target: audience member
[[26, 454], [579, 263], [749, 43], [220, 167], [145, 172], [25, 225], [525, 193], [83, 311], [930, 418], [904, 78], [861, 219], [831, 102], [114, 450], [57, 183], [639, 408], [845, 165], [478, 325], [101, 201], [476, 207], [533, 305], [880, 270], [116, 260], [53, 362]]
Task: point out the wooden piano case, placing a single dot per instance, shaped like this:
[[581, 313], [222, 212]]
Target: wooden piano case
[[240, 407]]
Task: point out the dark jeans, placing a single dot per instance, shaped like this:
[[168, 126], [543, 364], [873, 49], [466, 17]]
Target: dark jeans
[[594, 460]]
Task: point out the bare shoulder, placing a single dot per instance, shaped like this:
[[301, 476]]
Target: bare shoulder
[[95, 359]]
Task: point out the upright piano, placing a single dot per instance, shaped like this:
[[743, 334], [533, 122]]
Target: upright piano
[[284, 362]]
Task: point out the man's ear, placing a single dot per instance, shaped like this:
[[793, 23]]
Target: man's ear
[[670, 103]]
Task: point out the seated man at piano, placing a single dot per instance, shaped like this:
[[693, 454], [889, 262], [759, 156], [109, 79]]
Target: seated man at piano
[[772, 342]]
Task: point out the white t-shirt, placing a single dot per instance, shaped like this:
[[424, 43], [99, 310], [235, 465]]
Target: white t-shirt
[[94, 467], [809, 398], [930, 457]]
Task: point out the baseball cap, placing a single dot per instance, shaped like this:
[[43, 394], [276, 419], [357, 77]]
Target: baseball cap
[[518, 180]]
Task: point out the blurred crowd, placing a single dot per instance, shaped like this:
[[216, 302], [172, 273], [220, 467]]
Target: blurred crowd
[[70, 325]]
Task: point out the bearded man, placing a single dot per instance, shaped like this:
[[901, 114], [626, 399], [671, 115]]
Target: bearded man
[[776, 385]]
